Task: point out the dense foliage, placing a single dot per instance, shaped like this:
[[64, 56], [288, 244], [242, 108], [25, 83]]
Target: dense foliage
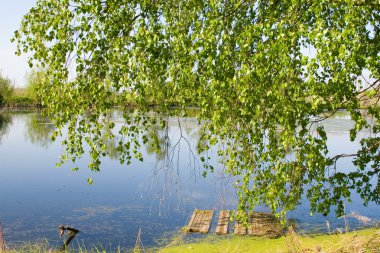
[[11, 97], [31, 95], [263, 74], [36, 80]]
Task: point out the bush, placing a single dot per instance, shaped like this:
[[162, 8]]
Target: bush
[[6, 90], [20, 101]]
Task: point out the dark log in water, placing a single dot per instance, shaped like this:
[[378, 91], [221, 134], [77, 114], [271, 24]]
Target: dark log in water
[[72, 232]]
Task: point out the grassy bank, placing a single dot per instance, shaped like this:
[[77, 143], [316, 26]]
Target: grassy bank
[[367, 240], [363, 241]]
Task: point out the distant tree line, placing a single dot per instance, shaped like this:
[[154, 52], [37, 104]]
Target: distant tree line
[[29, 96], [6, 90]]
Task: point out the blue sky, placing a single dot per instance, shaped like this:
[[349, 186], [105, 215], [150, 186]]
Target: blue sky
[[12, 66]]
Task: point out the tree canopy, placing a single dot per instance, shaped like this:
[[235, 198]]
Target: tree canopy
[[263, 74]]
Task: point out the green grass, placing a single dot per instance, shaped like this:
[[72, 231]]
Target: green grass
[[367, 240]]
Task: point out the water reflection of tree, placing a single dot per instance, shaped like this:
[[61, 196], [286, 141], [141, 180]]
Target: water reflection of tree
[[173, 147], [178, 157], [158, 141], [110, 143], [5, 122], [39, 130]]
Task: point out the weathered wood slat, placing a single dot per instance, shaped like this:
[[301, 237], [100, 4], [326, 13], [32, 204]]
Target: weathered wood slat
[[259, 224], [252, 227], [195, 226], [200, 221], [206, 221], [223, 220], [263, 224], [191, 220], [240, 229]]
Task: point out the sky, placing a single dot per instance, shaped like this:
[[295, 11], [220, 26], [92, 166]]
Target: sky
[[12, 66]]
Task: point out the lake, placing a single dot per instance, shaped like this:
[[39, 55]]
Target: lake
[[157, 195]]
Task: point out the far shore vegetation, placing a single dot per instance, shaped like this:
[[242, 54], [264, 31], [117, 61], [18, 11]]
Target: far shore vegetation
[[12, 97], [31, 96]]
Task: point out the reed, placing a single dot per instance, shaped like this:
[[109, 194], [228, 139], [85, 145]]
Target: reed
[[2, 241]]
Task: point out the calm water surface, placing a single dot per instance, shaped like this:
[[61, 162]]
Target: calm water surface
[[157, 195]]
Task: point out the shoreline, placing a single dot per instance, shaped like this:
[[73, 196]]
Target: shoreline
[[367, 239], [362, 240]]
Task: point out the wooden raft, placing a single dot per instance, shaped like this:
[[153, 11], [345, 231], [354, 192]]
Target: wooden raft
[[259, 224], [200, 221], [240, 229], [263, 224], [223, 220]]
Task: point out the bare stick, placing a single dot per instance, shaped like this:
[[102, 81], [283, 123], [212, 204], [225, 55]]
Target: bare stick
[[71, 234]]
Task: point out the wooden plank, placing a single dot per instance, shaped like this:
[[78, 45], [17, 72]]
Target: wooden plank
[[196, 223], [220, 224], [206, 221], [191, 220], [223, 220], [240, 229], [200, 221], [263, 224], [253, 226]]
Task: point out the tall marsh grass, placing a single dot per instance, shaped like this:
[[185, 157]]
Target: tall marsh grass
[[2, 241]]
